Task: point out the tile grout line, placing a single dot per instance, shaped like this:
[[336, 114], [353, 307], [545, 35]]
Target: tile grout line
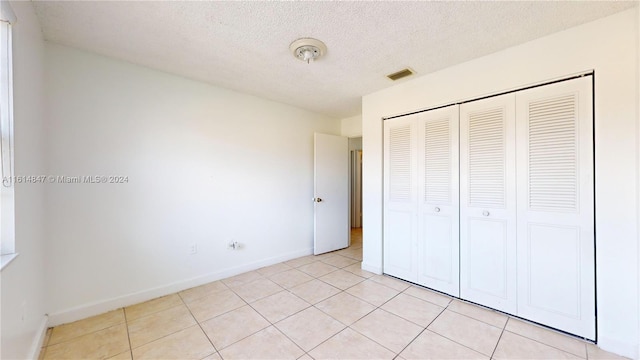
[[472, 318], [310, 306], [167, 335], [288, 316], [363, 279], [586, 352], [430, 302], [380, 308], [199, 325], [43, 353], [43, 349], [504, 328], [274, 325], [126, 325], [412, 340], [548, 345], [235, 342], [499, 338], [426, 328], [565, 337], [375, 308], [330, 337], [344, 291], [463, 345], [88, 333]]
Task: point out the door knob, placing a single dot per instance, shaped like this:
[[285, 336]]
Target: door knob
[[318, 199], [437, 209], [485, 213]]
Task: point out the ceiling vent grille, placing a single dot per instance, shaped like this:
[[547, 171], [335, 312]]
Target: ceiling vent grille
[[400, 74]]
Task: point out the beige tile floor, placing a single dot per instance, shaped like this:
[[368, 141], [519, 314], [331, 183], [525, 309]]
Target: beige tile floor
[[320, 307]]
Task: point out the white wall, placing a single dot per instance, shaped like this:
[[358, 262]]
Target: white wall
[[23, 281], [355, 143], [609, 46], [351, 127], [205, 165]]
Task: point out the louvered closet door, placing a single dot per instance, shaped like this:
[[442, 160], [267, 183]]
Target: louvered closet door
[[555, 206], [438, 226], [400, 198], [487, 202]]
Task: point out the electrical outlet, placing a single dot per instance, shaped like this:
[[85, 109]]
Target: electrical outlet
[[193, 248]]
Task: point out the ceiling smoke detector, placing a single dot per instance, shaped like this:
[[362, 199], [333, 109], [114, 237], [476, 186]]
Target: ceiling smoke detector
[[308, 49]]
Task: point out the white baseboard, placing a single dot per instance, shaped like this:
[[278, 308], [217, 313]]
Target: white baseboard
[[631, 351], [100, 307], [38, 341], [370, 268]]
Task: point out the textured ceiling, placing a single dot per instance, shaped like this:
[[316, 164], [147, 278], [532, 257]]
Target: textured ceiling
[[244, 45]]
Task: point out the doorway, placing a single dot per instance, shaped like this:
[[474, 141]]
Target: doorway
[[355, 189]]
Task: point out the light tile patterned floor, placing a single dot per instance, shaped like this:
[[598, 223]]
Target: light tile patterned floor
[[320, 307]]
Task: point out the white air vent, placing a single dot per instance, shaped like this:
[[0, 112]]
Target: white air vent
[[400, 74]]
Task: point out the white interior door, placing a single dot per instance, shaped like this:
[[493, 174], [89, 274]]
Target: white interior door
[[556, 269], [331, 193], [438, 204], [488, 202], [400, 198]]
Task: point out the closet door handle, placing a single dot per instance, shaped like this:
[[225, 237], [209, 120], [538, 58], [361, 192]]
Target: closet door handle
[[485, 213], [437, 209]]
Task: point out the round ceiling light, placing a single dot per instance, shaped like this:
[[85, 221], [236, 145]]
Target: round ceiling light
[[308, 49]]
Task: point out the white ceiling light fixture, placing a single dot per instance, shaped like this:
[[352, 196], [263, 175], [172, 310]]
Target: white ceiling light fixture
[[308, 49]]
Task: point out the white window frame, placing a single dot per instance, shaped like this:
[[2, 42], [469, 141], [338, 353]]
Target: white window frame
[[7, 203]]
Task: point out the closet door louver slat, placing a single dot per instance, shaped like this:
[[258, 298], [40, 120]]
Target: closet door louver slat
[[437, 159], [400, 166], [486, 149], [553, 172]]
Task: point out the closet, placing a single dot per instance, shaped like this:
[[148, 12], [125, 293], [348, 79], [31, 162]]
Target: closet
[[492, 201]]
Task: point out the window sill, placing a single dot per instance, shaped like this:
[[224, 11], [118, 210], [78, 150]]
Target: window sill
[[6, 260]]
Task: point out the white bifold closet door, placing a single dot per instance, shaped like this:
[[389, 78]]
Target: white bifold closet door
[[438, 204], [400, 198], [421, 240], [556, 268], [488, 202]]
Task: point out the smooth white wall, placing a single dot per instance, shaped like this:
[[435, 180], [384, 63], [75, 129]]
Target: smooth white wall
[[23, 280], [205, 165], [351, 127], [355, 143], [609, 46]]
